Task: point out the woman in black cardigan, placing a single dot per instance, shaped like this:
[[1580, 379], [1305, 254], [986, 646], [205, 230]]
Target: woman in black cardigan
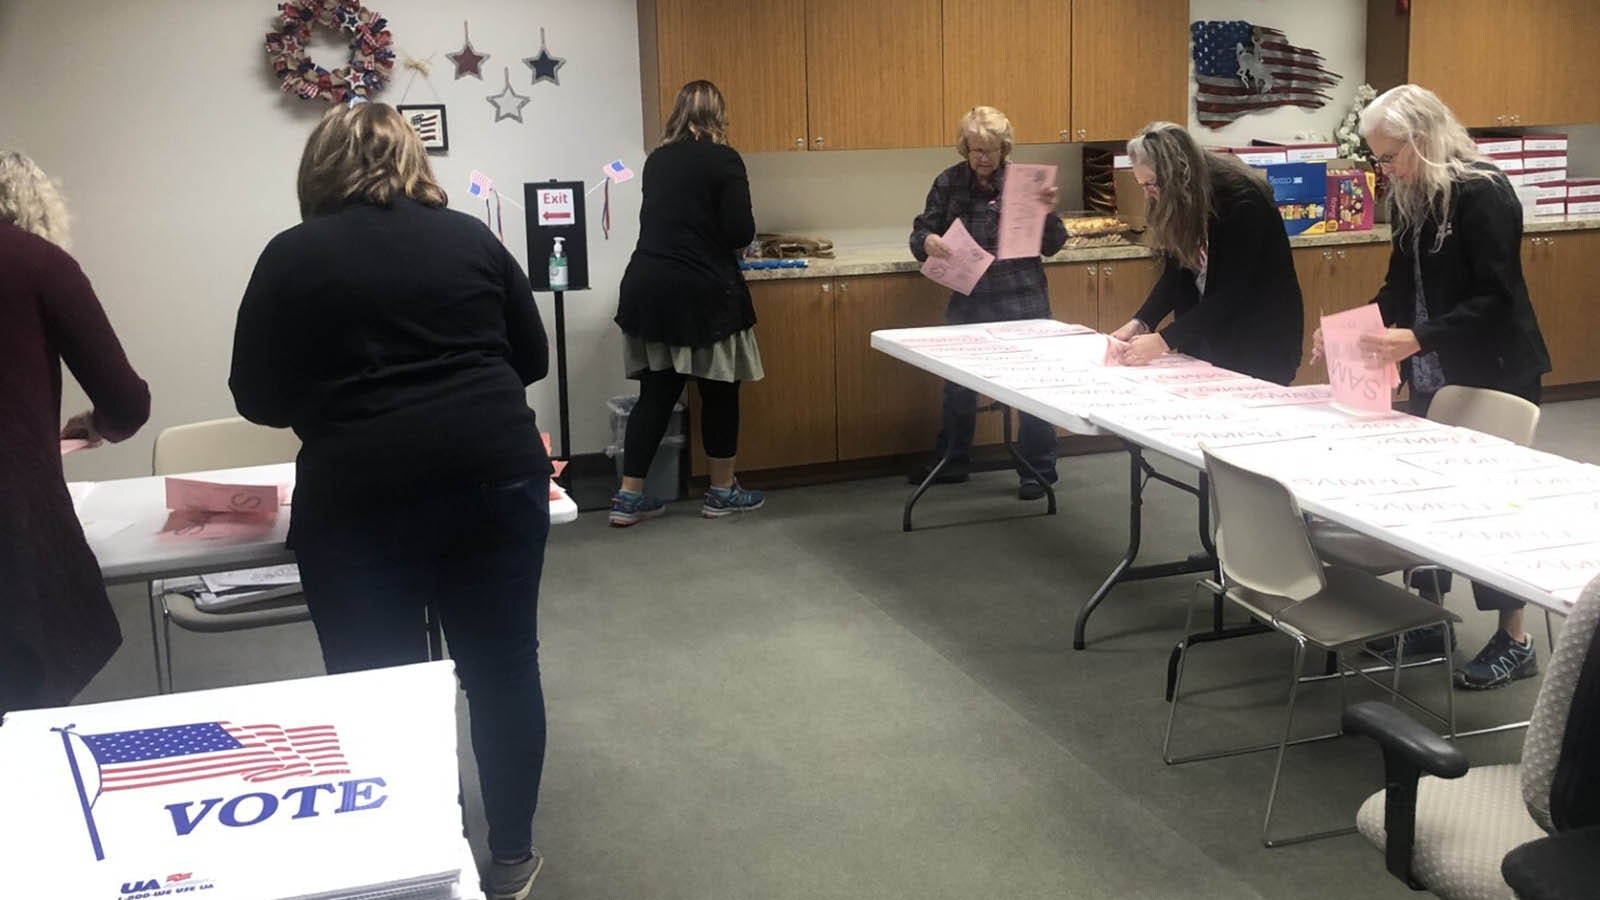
[[1455, 300], [1229, 278], [684, 309]]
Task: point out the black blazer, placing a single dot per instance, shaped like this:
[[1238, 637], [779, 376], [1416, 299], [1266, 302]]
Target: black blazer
[[1250, 318], [1480, 320], [683, 285]]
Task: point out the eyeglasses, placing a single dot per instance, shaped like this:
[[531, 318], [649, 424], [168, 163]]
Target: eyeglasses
[[1148, 185], [986, 153], [1386, 159]]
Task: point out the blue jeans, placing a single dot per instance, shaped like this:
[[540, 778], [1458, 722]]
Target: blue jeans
[[475, 553], [1036, 438]]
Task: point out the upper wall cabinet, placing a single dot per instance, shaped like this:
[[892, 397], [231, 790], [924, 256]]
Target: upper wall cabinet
[[1130, 66], [1024, 72], [756, 57], [1493, 63], [872, 74]]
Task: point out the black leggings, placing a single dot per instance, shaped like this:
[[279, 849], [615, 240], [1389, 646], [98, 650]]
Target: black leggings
[[658, 391]]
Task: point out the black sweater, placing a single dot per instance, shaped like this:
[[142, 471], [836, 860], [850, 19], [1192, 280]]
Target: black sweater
[[397, 343], [683, 285], [1250, 318], [1480, 320]]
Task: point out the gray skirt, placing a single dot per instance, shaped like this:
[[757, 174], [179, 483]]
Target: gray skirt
[[734, 358]]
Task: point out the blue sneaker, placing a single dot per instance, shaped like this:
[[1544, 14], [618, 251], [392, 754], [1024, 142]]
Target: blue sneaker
[[629, 508], [1499, 663], [729, 500]]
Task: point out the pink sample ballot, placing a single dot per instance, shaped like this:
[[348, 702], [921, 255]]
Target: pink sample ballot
[[1022, 210], [1357, 385], [72, 445], [209, 496], [205, 525], [966, 263]]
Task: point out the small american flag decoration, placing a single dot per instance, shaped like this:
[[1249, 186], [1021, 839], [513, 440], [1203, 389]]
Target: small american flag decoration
[[1243, 68], [428, 121]]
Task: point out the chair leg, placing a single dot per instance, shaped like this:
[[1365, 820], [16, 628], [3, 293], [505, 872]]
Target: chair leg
[[1177, 681], [154, 588], [166, 634], [1283, 748]]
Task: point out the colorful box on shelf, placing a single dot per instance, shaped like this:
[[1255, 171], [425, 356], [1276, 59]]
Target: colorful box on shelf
[[1301, 192], [1352, 196]]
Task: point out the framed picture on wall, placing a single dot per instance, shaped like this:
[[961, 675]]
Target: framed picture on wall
[[427, 119]]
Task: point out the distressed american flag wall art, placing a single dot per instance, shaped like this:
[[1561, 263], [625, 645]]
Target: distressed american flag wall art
[[1242, 68]]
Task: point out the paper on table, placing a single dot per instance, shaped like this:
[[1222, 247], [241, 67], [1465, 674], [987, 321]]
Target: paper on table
[[1356, 385], [202, 525], [1475, 538], [100, 529], [259, 577], [1436, 505], [966, 263], [210, 496], [1556, 569], [72, 445], [1036, 328], [1023, 208]]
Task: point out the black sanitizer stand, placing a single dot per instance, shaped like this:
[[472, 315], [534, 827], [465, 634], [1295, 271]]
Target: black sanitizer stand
[[555, 210]]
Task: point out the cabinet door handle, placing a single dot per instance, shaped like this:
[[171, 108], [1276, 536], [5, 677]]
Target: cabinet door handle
[[1341, 254], [844, 286], [1065, 134], [1327, 254], [1083, 133], [819, 142], [1500, 119], [800, 142], [826, 287], [1515, 120], [1105, 273], [1090, 271]]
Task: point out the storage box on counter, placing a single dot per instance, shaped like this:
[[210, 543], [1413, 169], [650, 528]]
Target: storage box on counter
[[1499, 144], [1299, 152], [1352, 195], [1583, 197], [1259, 157], [1544, 143], [1301, 192]]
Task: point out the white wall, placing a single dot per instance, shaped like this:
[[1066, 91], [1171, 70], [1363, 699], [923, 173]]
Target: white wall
[[177, 155]]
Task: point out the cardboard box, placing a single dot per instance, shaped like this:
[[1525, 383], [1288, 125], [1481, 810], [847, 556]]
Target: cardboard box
[[1589, 206], [1550, 191], [1507, 162], [1352, 196], [1301, 152], [1544, 160], [1550, 208], [1583, 187], [1301, 192], [1515, 178], [1258, 157], [1499, 144], [1122, 161], [1130, 198], [1543, 142], [1546, 176]]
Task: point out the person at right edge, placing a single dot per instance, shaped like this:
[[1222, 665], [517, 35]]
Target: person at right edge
[[1228, 278], [683, 306], [1457, 308]]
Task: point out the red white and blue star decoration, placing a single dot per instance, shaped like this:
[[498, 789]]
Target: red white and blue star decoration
[[508, 103], [467, 60], [371, 57], [544, 65]]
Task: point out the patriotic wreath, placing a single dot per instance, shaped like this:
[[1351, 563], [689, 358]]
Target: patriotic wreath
[[371, 59]]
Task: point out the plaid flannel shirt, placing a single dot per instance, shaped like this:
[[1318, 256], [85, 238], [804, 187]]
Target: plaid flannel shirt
[[1011, 288]]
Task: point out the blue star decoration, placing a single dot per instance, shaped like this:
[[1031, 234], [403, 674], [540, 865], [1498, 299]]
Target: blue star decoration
[[508, 103], [544, 65]]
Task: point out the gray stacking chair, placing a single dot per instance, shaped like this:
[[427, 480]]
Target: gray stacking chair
[[199, 446], [1270, 570], [1448, 828]]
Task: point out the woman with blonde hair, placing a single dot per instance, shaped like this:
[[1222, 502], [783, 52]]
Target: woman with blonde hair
[[1456, 305], [683, 307], [1228, 278], [969, 192], [397, 337], [56, 626]]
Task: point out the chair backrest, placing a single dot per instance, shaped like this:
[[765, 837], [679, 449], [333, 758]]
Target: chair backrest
[[1561, 754], [221, 444], [1260, 533], [1503, 415]]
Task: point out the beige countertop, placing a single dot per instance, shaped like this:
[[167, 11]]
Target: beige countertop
[[883, 259]]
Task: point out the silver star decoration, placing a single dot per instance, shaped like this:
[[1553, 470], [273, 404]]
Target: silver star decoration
[[508, 103], [544, 65]]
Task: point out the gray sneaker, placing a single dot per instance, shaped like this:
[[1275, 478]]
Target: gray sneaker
[[513, 881], [1500, 662]]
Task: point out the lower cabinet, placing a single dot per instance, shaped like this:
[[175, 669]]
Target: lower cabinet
[[1334, 279], [1563, 274]]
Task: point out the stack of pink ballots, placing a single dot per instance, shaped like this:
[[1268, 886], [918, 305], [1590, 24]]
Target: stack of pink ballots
[[209, 510]]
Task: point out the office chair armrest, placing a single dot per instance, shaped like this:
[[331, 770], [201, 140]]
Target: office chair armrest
[[1409, 749], [1402, 736]]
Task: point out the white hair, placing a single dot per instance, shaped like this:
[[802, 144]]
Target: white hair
[[30, 201]]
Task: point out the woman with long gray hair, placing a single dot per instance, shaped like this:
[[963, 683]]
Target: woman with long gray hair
[[56, 626], [1228, 279], [1455, 302]]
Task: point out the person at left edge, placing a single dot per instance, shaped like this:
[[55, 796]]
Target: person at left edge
[[969, 191], [396, 337], [57, 627]]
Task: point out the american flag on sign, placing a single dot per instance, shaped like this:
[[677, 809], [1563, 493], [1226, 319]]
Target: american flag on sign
[[479, 184], [1241, 68], [148, 757], [617, 172]]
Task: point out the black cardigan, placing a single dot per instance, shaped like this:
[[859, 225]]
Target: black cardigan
[[1480, 320], [1250, 318], [683, 285]]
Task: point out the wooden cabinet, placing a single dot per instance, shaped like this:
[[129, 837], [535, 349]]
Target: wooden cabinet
[[1494, 64], [762, 74], [1563, 274], [886, 407], [787, 418], [1024, 72], [1130, 66], [1334, 279], [1103, 295], [873, 75]]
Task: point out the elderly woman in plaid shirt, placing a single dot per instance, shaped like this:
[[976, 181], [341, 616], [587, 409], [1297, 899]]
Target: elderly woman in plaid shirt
[[1010, 289]]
